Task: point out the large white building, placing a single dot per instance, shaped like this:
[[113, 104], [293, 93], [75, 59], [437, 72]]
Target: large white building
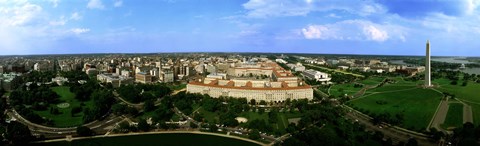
[[115, 79], [278, 87], [316, 75]]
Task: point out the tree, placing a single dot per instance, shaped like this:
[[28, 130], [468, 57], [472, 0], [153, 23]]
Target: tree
[[252, 102], [412, 142], [143, 125], [263, 102], [75, 110], [119, 109], [18, 134], [254, 134], [273, 116], [213, 127], [148, 105], [84, 131]]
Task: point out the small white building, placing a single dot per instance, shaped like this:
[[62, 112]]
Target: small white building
[[59, 80]]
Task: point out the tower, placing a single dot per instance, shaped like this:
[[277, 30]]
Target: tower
[[427, 66]]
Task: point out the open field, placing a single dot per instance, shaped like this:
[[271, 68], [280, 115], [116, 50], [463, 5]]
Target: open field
[[468, 94], [372, 81], [64, 119], [349, 89], [155, 139], [341, 89], [392, 87], [454, 116], [418, 105]]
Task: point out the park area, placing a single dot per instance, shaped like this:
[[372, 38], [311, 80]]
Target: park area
[[417, 105], [454, 116], [467, 94], [280, 125], [64, 118], [351, 89]]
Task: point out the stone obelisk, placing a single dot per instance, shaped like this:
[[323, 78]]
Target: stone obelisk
[[428, 82]]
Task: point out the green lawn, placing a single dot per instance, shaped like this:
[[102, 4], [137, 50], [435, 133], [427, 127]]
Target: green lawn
[[392, 87], [348, 88], [155, 139], [64, 119], [454, 116], [177, 87], [468, 93], [476, 113], [372, 81], [417, 105]]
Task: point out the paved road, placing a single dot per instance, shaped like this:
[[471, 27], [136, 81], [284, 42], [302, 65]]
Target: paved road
[[467, 113], [440, 115], [98, 125]]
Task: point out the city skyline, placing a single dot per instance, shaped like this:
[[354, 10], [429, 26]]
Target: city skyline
[[310, 26]]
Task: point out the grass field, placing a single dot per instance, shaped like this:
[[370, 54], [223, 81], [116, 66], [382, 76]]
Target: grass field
[[177, 87], [64, 119], [468, 94], [454, 116], [372, 81], [341, 89], [155, 139], [417, 105], [392, 87], [349, 89], [476, 113], [282, 121]]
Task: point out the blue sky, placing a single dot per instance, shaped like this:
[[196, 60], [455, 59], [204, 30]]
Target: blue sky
[[391, 27]]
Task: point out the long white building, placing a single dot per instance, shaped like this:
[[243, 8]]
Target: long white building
[[280, 86]]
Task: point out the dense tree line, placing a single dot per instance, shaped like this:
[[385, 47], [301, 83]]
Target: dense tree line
[[74, 75], [83, 91], [103, 100], [136, 93], [323, 124], [40, 77], [467, 135]]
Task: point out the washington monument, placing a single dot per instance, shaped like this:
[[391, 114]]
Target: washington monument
[[428, 83]]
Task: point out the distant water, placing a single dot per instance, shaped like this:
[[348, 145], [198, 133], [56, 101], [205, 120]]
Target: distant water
[[475, 70], [452, 60], [449, 60]]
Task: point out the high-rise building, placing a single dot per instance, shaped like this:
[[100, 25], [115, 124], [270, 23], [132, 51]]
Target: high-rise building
[[428, 82]]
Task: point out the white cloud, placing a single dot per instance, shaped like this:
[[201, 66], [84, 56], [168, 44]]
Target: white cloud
[[60, 22], [79, 30], [374, 33], [20, 15], [315, 32], [54, 3], [354, 30], [276, 8], [75, 16], [118, 3], [95, 4]]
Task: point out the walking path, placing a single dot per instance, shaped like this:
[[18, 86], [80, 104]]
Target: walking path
[[467, 112], [439, 116]]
